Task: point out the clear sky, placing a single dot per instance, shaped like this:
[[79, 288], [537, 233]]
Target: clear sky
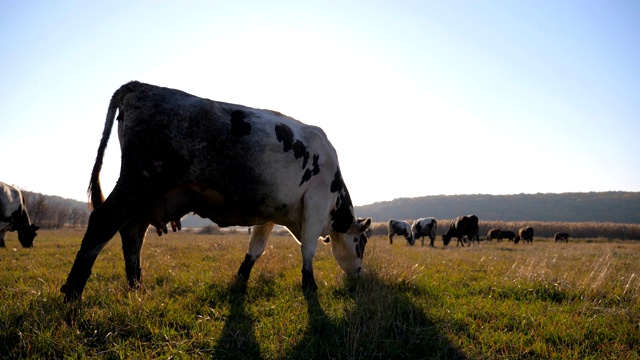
[[418, 97]]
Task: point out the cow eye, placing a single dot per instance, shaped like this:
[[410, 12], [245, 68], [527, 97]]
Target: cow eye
[[355, 239]]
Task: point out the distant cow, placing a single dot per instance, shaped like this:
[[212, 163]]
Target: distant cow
[[230, 163], [525, 234], [509, 235], [400, 227], [461, 227], [559, 236], [425, 227], [15, 217], [494, 234]]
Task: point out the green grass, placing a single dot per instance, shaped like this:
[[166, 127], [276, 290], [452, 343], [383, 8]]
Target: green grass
[[568, 301]]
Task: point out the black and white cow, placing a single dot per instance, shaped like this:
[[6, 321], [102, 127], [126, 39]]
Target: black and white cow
[[461, 227], [525, 234], [509, 235], [400, 227], [559, 236], [494, 234], [15, 217], [232, 164], [425, 227]]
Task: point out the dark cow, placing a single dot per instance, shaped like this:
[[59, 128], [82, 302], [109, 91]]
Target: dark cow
[[400, 227], [232, 164], [559, 236], [425, 227], [509, 235], [525, 234], [494, 234], [15, 217], [461, 227]]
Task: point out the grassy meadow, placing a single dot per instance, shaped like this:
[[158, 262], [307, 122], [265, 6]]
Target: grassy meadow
[[579, 300]]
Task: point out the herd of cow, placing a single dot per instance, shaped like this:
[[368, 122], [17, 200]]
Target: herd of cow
[[230, 163], [463, 228]]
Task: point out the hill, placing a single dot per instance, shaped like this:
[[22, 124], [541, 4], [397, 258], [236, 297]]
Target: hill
[[614, 206]]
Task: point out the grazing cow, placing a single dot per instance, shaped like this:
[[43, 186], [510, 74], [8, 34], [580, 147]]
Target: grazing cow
[[509, 235], [425, 227], [14, 216], [460, 227], [494, 234], [525, 234], [400, 227], [232, 164], [559, 236]]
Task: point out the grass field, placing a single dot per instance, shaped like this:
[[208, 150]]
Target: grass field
[[578, 300]]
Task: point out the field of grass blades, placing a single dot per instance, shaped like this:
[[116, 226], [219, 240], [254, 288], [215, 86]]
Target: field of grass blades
[[548, 300]]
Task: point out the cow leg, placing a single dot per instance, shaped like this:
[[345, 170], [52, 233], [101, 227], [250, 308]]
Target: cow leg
[[257, 243], [308, 248], [390, 238], [311, 231], [422, 240], [133, 235], [104, 222], [432, 241], [2, 234]]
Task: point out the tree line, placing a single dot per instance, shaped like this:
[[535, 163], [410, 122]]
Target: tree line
[[619, 213], [613, 206], [54, 212]]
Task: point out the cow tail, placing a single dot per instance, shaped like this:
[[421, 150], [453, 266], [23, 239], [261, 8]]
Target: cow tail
[[96, 198]]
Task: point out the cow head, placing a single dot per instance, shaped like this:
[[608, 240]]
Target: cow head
[[410, 238], [27, 235], [348, 248], [446, 239]]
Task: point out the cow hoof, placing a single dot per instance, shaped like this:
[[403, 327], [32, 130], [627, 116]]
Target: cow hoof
[[70, 296], [135, 284], [238, 285]]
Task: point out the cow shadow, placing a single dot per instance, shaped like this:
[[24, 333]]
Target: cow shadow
[[381, 322], [237, 339]]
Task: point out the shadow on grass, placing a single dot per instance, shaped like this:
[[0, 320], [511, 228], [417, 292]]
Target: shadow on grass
[[238, 336], [380, 322]]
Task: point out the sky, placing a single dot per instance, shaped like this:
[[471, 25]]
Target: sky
[[418, 97]]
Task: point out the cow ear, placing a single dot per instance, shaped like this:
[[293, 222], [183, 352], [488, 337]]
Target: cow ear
[[326, 239], [363, 225]]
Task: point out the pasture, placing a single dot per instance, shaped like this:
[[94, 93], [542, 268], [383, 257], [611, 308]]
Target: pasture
[[497, 300]]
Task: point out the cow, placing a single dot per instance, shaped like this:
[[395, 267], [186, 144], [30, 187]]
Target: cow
[[400, 227], [425, 227], [509, 235], [525, 234], [462, 226], [559, 236], [494, 234], [15, 217], [230, 163]]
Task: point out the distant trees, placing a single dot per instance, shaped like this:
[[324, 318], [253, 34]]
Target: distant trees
[[613, 206], [54, 212]]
